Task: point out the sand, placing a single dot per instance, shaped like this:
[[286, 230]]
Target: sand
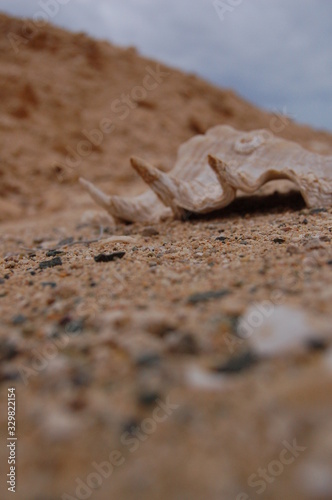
[[131, 382]]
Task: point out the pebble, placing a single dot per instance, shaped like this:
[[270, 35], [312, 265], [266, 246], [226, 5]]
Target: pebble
[[103, 257], [8, 350], [51, 284], [150, 231], [19, 319], [148, 398], [130, 426], [317, 211], [279, 240], [237, 364], [53, 253], [74, 326], [317, 344], [50, 263], [148, 359], [205, 296]]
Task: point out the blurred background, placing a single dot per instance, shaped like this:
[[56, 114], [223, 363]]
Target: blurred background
[[277, 54]]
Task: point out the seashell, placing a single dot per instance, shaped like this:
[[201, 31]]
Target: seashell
[[209, 170]]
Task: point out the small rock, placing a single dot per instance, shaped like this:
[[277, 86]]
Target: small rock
[[9, 374], [19, 319], [51, 284], [80, 378], [150, 231], [103, 257], [148, 398], [50, 263], [279, 240], [221, 238], [130, 426], [205, 296], [148, 359], [53, 253], [317, 211], [8, 350], [237, 364], [74, 326], [317, 344]]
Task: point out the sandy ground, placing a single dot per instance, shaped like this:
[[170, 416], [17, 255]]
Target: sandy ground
[[131, 379]]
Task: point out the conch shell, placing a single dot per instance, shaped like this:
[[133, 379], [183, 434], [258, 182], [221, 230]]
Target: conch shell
[[210, 169]]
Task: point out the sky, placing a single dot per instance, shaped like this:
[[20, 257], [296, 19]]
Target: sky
[[276, 53]]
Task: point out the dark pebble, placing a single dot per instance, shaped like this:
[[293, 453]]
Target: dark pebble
[[317, 344], [148, 398], [237, 363], [81, 378], [8, 374], [205, 296], [7, 350], [7, 276], [278, 240], [19, 319], [33, 273], [2, 281], [130, 426], [53, 253], [74, 326], [104, 257], [221, 238], [65, 320], [65, 241], [50, 263], [317, 211], [329, 262], [51, 284], [305, 221], [148, 359]]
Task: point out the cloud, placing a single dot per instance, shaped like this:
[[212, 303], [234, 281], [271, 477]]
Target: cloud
[[276, 53]]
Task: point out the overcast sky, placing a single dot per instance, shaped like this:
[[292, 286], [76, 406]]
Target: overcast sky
[[275, 53]]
